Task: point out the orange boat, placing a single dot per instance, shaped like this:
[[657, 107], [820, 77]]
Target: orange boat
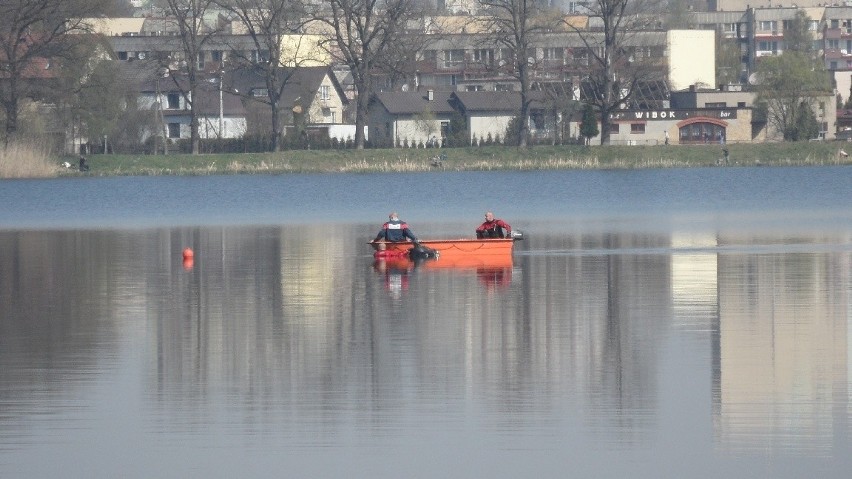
[[402, 261], [471, 251]]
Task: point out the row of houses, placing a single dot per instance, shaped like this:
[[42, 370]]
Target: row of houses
[[459, 74], [232, 105], [695, 116]]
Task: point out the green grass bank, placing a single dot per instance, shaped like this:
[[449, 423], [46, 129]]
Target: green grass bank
[[462, 159]]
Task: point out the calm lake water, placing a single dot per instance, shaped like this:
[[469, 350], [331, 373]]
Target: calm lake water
[[654, 323]]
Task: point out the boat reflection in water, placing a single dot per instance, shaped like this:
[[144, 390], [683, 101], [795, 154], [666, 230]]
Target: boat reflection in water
[[490, 258]]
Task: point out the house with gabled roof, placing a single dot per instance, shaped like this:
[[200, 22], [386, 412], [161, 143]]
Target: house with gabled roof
[[312, 92], [487, 113], [418, 118], [220, 112], [410, 118]]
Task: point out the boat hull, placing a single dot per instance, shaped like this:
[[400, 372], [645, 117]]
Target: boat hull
[[456, 250]]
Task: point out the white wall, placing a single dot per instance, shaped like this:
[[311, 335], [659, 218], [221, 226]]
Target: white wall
[[417, 131], [844, 82], [692, 58], [208, 127], [484, 124], [345, 132]]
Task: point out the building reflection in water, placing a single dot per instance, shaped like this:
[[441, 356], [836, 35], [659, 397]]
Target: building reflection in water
[[782, 375], [292, 325], [296, 316]]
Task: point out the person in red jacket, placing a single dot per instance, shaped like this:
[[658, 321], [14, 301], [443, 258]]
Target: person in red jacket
[[493, 228]]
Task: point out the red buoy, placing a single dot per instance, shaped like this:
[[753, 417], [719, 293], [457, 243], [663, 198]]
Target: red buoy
[[188, 259]]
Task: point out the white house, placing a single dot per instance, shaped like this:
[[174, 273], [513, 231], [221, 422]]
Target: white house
[[410, 118]]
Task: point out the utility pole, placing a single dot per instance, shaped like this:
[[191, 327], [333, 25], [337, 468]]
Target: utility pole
[[221, 108]]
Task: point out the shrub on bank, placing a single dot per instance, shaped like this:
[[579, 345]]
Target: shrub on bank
[[22, 160], [495, 157]]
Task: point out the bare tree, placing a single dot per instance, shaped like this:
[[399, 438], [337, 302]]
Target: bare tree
[[188, 16], [34, 36], [365, 32], [515, 25], [620, 61], [269, 23]]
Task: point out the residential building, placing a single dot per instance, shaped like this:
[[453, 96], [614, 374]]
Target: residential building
[[312, 92], [410, 118]]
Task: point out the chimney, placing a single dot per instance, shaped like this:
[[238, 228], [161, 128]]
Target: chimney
[[430, 95]]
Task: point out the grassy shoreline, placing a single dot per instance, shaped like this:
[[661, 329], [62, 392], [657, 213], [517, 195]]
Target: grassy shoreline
[[462, 159]]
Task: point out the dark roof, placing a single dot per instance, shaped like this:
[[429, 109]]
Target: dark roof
[[489, 100], [401, 103], [302, 82], [207, 101], [139, 75], [501, 101]]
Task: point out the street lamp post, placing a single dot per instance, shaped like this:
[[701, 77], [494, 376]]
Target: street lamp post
[[221, 108]]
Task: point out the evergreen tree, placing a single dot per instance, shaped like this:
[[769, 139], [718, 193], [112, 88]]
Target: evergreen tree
[[589, 124]]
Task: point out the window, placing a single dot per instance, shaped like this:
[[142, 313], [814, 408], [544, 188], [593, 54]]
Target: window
[[122, 55], [702, 133], [768, 26], [216, 56], [453, 58], [260, 56], [768, 46], [325, 92], [716, 104], [484, 56], [613, 128], [174, 130], [444, 80], [553, 53], [537, 120], [199, 64], [445, 129], [260, 92], [835, 23], [637, 128], [741, 104], [832, 43], [430, 56], [813, 25], [503, 87], [173, 101], [474, 88]]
